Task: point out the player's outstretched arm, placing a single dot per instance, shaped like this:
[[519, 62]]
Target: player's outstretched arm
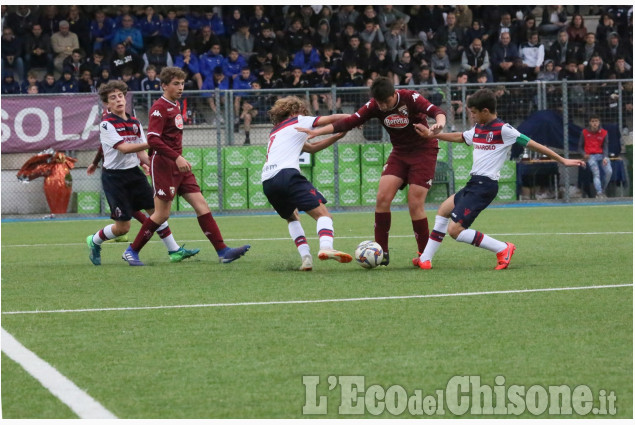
[[439, 125], [322, 144], [126, 147], [423, 131], [327, 129], [537, 147], [330, 119]]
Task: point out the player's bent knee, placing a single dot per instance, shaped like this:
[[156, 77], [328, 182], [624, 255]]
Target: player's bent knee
[[455, 229]]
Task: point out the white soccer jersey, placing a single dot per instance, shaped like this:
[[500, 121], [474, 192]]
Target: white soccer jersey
[[492, 144], [113, 131], [285, 145]]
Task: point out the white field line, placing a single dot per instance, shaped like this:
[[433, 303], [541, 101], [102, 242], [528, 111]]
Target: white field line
[[60, 386], [334, 300], [362, 237]]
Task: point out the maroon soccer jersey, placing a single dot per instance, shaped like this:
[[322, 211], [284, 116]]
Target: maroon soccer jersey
[[411, 108], [165, 128]]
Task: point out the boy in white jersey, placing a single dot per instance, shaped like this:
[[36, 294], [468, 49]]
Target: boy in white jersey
[[492, 140], [289, 191], [125, 185]]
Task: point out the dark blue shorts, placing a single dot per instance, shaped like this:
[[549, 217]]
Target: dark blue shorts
[[289, 190], [477, 194], [126, 191]]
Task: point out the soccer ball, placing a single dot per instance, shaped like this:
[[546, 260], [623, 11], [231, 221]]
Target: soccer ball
[[369, 254]]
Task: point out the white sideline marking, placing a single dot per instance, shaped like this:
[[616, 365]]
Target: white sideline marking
[[334, 300], [362, 237], [60, 386]]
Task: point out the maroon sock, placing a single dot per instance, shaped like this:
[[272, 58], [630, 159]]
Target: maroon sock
[[422, 233], [164, 233], [382, 227], [139, 216], [211, 230], [145, 234]]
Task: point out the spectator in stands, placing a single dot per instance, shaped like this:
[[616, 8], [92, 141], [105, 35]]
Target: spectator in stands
[[418, 55], [257, 61], [193, 17], [130, 80], [128, 35], [233, 64], [505, 25], [21, 21], [475, 59], [587, 50], [309, 18], [346, 14], [33, 89], [209, 60], [296, 79], [594, 142], [218, 80], [181, 37], [518, 72], [267, 41], [463, 16], [332, 60], [355, 52], [622, 70], [322, 34], [576, 29], [430, 20], [451, 37], [233, 21], [307, 58], [503, 55], [169, 24], [570, 71], [596, 69], [368, 15], [150, 26], [150, 82], [50, 20], [344, 36], [282, 65], [254, 108], [67, 83], [31, 80], [63, 43], [476, 30], [12, 54], [371, 34], [395, 40], [47, 85], [242, 82], [524, 29], [379, 63], [321, 78], [75, 62], [606, 25], [158, 57], [122, 11], [80, 25], [561, 50], [102, 30], [350, 77], [621, 15], [440, 64], [548, 72], [123, 58], [204, 41], [425, 77], [553, 19], [258, 20], [86, 83], [616, 48], [37, 50], [403, 70], [268, 79], [188, 62], [295, 35], [242, 40], [533, 55], [9, 85]]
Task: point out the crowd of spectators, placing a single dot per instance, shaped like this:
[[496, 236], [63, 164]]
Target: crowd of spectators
[[57, 49]]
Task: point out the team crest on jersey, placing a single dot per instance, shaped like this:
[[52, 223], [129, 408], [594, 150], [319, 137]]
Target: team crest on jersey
[[135, 128], [178, 121], [172, 190], [403, 110], [490, 137], [396, 121]]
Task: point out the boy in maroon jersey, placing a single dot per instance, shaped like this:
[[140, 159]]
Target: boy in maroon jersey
[[172, 174], [413, 157]]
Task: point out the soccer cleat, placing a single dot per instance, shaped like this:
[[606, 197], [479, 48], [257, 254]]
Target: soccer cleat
[[182, 253], [505, 256], [131, 257], [333, 254], [307, 263], [386, 259], [424, 265], [415, 261], [94, 251], [227, 254]]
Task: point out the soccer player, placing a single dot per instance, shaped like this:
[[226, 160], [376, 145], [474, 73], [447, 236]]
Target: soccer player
[[287, 189], [123, 145], [412, 160], [172, 174], [492, 140]]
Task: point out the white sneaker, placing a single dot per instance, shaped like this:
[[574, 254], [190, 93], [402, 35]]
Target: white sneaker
[[307, 263], [333, 254]]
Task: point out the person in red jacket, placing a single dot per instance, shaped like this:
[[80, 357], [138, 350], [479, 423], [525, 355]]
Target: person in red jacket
[[595, 142], [413, 158]]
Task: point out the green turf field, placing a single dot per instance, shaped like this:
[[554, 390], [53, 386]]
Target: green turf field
[[195, 356]]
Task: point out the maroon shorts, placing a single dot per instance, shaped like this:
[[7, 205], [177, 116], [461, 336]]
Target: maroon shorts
[[414, 167], [167, 180]]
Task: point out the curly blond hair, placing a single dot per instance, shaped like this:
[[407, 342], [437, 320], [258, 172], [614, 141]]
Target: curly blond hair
[[287, 107]]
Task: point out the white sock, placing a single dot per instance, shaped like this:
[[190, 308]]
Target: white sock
[[325, 232], [168, 241], [297, 234], [436, 237], [481, 240], [104, 235]]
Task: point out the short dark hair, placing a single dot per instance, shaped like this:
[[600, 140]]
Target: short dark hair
[[594, 117], [382, 88], [483, 99]]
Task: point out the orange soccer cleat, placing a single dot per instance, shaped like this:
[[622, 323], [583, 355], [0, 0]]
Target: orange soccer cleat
[[505, 256]]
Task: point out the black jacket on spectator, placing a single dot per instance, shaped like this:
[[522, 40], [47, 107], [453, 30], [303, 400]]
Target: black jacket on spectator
[[357, 56], [431, 20], [21, 24], [293, 41], [269, 45], [555, 52], [174, 45], [12, 47], [129, 60], [42, 42], [382, 67]]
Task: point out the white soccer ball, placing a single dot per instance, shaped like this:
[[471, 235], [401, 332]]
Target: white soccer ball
[[369, 254]]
